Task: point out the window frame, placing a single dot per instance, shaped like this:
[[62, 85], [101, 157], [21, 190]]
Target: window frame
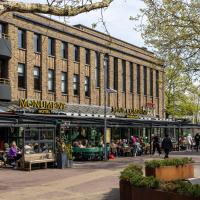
[[97, 69], [37, 79], [87, 86], [22, 76], [87, 56], [51, 46], [123, 75], [76, 53], [76, 84], [64, 81], [157, 83], [64, 50], [21, 38], [138, 79], [51, 80], [145, 80], [115, 73], [37, 42], [131, 76], [151, 83]]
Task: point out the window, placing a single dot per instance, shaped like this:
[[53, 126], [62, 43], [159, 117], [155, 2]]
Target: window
[[97, 69], [51, 47], [157, 83], [64, 50], [36, 74], [21, 39], [123, 76], [76, 53], [115, 79], [145, 79], [131, 76], [151, 82], [138, 79], [37, 43], [2, 30], [106, 66], [76, 84], [87, 56], [87, 86], [51, 80], [64, 82], [21, 75]]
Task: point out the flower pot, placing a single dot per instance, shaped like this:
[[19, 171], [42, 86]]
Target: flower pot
[[125, 190], [61, 160], [171, 173]]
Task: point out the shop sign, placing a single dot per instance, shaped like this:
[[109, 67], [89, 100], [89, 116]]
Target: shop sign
[[129, 113], [42, 106]]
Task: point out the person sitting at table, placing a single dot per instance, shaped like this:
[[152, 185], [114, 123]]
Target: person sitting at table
[[14, 153]]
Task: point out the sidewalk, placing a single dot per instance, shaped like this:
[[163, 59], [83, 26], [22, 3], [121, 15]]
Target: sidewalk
[[86, 181]]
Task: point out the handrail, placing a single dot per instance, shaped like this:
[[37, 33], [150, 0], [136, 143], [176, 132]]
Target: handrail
[[4, 36], [4, 81]]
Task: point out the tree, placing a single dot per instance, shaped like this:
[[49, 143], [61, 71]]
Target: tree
[[172, 28], [55, 7]]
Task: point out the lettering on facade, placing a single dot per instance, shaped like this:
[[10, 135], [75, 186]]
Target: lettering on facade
[[41, 105]]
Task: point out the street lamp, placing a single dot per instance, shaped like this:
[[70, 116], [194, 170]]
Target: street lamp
[[106, 90]]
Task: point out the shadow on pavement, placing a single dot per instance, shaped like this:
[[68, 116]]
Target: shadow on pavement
[[112, 195]]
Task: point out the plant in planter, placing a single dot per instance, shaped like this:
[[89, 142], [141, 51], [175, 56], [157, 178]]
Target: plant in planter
[[170, 169], [135, 186], [64, 153]]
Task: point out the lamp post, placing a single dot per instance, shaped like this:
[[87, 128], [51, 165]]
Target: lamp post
[[106, 90]]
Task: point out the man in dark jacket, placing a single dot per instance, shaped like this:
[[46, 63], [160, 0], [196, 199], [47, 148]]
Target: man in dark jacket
[[197, 139], [167, 145]]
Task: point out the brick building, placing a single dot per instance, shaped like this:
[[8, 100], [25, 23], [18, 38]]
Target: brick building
[[46, 60]]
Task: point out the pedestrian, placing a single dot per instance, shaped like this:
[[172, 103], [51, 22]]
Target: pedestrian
[[189, 142], [167, 145], [156, 145], [197, 139]]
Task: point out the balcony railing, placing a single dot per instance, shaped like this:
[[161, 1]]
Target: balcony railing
[[4, 81]]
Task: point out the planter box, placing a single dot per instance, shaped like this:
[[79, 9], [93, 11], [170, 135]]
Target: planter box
[[170, 173], [128, 192]]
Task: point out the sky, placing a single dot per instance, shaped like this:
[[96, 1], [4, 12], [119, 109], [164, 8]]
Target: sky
[[116, 17]]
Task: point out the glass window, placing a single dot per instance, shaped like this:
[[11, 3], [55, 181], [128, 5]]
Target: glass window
[[21, 75], [37, 42], [76, 53], [157, 83], [2, 30], [123, 76], [64, 82], [87, 86], [36, 78], [151, 82], [138, 79], [97, 69], [106, 64], [51, 80], [21, 39], [131, 77], [145, 79], [76, 84], [87, 56], [51, 47], [115, 80], [64, 50]]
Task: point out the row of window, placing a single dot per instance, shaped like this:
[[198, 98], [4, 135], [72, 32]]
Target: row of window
[[51, 80], [37, 44]]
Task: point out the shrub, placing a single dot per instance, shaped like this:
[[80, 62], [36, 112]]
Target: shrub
[[168, 162]]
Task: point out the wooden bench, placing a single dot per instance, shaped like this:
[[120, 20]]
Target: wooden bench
[[28, 159]]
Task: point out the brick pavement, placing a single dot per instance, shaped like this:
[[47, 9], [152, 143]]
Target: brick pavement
[[87, 180]]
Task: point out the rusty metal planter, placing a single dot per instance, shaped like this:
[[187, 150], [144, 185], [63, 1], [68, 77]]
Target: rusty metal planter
[[170, 173]]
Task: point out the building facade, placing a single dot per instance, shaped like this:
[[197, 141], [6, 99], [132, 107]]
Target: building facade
[[42, 59]]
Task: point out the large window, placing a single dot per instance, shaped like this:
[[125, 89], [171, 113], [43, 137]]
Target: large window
[[51, 47], [2, 30], [87, 56], [76, 84], [87, 86], [131, 76], [21, 39], [157, 83], [37, 82], [64, 82], [51, 80], [21, 75], [64, 50], [145, 79], [151, 82], [107, 67], [37, 42], [76, 53], [115, 79], [138, 79], [97, 69], [123, 76]]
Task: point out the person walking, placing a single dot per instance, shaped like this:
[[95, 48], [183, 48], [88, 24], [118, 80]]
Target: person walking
[[197, 139], [156, 145], [167, 145]]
